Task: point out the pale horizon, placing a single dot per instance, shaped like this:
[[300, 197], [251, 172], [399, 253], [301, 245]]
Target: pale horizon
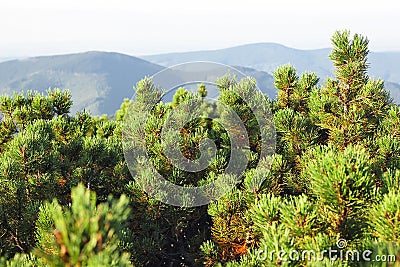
[[139, 28]]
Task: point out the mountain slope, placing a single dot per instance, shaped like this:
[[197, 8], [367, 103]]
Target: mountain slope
[[98, 81], [267, 56], [261, 56]]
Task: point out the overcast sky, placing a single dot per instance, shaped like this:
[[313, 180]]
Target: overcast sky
[[42, 27]]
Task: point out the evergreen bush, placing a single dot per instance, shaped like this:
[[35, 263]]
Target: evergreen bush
[[333, 182]]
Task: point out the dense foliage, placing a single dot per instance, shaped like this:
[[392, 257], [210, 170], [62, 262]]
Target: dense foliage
[[335, 176]]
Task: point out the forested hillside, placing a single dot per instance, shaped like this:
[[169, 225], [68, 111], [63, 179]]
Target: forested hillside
[[67, 197], [98, 81]]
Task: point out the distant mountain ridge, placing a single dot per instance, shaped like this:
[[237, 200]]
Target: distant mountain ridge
[[98, 81], [267, 56], [2, 59], [260, 56]]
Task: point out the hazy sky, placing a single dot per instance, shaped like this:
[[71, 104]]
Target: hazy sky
[[41, 27]]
